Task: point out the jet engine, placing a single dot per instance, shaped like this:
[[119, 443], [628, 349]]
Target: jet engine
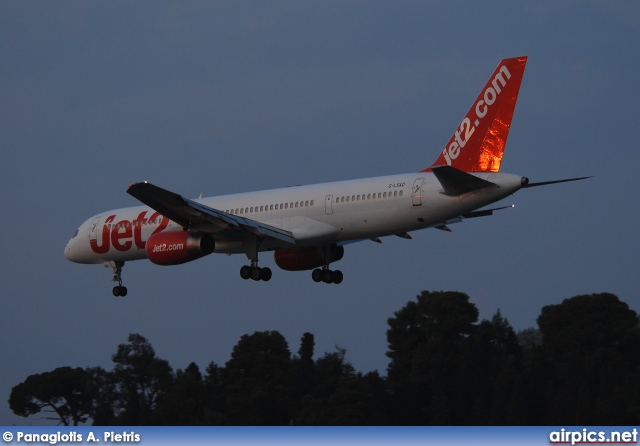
[[176, 247], [302, 259]]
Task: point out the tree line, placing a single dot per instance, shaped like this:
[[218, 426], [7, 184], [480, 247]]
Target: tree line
[[580, 366]]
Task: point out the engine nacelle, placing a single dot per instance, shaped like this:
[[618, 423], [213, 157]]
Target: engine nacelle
[[176, 247], [302, 259]]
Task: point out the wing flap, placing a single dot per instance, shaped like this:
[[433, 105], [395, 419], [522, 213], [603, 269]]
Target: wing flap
[[253, 226], [190, 213]]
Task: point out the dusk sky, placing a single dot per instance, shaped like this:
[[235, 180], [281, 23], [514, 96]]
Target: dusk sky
[[224, 97]]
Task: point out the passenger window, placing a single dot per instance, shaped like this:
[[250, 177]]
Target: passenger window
[[401, 193], [311, 202]]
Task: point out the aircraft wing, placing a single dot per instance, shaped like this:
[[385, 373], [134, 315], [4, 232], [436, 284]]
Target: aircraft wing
[[191, 214], [456, 182]]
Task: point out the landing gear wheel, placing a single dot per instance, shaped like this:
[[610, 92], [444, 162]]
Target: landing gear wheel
[[265, 274], [120, 291], [256, 273], [327, 276], [245, 272]]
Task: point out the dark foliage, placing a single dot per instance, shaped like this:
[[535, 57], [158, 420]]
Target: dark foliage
[[62, 394], [579, 368]]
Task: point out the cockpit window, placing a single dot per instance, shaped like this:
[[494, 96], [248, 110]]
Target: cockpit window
[[76, 233]]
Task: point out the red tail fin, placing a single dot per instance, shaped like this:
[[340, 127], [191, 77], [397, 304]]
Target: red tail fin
[[478, 143]]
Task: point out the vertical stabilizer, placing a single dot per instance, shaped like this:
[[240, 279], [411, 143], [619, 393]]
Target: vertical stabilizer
[[478, 143]]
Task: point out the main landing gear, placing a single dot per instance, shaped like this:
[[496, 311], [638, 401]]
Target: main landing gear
[[118, 290], [255, 272], [251, 247], [327, 276], [329, 254]]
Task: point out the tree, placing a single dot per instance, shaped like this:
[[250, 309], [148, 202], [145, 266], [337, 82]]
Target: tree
[[214, 411], [63, 391], [590, 345], [103, 391], [257, 380], [140, 379], [495, 356], [426, 340], [184, 403], [303, 366]]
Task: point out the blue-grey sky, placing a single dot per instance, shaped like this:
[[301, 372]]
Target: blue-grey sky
[[224, 97]]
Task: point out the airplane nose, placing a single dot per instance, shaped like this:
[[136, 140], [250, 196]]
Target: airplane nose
[[68, 252], [72, 251]]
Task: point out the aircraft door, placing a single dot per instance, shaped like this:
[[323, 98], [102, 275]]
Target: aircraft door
[[416, 192], [95, 230], [328, 205]]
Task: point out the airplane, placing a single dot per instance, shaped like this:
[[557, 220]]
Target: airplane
[[307, 227]]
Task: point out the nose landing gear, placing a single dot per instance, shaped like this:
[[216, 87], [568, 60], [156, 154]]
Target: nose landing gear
[[118, 290]]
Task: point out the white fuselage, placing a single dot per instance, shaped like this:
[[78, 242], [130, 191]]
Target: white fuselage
[[319, 214]]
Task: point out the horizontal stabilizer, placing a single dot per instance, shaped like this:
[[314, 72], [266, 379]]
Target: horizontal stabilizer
[[474, 214], [456, 182], [544, 183], [485, 212]]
